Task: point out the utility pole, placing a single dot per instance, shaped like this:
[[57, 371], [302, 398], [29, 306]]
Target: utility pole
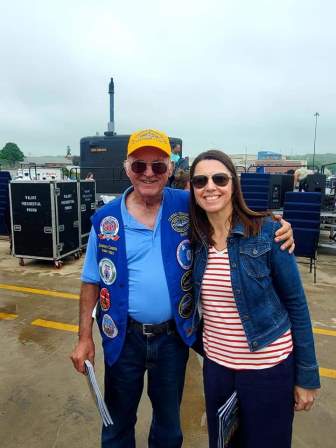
[[316, 115]]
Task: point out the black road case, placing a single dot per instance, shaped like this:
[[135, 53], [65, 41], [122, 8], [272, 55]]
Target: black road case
[[87, 204], [45, 221], [5, 178]]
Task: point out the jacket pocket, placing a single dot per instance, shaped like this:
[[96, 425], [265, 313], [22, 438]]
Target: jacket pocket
[[255, 259]]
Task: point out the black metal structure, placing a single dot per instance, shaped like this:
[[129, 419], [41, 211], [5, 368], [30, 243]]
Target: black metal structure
[[104, 156], [45, 220], [315, 183]]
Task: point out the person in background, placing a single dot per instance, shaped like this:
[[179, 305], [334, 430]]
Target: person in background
[[175, 153], [300, 177], [181, 180], [89, 176], [257, 332], [138, 270], [175, 157]]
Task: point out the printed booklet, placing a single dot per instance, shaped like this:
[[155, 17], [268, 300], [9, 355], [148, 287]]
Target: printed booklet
[[228, 420], [97, 396]]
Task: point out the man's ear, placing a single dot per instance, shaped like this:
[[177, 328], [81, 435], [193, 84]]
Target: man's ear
[[126, 167], [170, 168]]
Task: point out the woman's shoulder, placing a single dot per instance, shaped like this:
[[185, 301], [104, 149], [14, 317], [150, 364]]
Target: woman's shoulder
[[269, 226]]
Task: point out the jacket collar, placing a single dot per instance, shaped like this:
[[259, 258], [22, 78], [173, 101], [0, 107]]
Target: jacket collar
[[238, 229]]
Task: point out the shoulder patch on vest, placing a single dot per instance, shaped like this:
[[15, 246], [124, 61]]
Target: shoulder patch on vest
[[184, 254], [107, 271], [109, 327], [109, 228], [180, 222]]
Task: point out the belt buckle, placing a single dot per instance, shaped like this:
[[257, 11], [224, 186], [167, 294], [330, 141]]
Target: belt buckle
[[145, 331]]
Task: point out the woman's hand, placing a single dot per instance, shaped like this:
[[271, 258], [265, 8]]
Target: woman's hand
[[285, 233], [304, 398]]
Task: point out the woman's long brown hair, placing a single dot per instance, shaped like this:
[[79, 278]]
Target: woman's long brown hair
[[201, 229]]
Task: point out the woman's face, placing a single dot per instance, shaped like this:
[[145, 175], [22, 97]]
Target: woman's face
[[213, 198]]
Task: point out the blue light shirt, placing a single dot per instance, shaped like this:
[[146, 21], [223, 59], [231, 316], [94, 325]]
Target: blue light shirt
[[149, 300], [174, 157]]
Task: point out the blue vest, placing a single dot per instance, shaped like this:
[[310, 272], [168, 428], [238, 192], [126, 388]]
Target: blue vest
[[111, 257]]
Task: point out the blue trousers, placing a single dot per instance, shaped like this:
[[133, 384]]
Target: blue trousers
[[266, 403], [164, 357]]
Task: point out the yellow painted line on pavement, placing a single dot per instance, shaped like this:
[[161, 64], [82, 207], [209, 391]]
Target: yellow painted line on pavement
[[328, 373], [8, 316], [43, 292], [323, 331], [55, 325]]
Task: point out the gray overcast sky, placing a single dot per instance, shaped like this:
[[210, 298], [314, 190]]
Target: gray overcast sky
[[228, 74]]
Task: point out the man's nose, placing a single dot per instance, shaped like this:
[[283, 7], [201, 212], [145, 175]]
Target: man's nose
[[148, 171]]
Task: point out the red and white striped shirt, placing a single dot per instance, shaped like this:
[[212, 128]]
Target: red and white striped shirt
[[223, 335]]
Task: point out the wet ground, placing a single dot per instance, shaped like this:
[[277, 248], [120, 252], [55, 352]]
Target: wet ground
[[44, 403]]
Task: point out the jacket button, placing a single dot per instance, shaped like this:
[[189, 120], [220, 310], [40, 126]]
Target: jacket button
[[237, 291], [233, 265], [255, 344], [255, 251], [245, 317]]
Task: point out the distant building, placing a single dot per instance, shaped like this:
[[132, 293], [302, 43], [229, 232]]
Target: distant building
[[250, 163], [269, 155], [278, 166], [46, 167]]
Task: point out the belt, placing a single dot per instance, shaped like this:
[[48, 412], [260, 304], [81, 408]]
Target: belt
[[152, 329]]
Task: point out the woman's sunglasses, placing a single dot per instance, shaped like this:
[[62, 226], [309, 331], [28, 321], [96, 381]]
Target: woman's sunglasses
[[219, 179], [139, 167]]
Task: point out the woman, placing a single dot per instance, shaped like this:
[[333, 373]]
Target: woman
[[257, 331]]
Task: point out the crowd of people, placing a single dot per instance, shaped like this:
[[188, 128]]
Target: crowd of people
[[171, 269]]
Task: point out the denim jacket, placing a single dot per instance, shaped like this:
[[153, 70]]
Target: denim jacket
[[269, 295]]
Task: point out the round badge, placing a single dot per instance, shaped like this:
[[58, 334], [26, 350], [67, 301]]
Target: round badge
[[179, 222], [107, 271], [109, 327], [186, 306], [186, 284], [105, 302], [184, 254], [109, 227]]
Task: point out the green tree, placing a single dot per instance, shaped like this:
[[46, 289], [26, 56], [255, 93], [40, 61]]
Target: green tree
[[12, 153]]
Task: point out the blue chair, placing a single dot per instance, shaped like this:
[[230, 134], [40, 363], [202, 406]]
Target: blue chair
[[255, 189], [303, 211]]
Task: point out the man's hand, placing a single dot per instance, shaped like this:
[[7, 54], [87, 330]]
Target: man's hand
[[285, 233], [85, 349], [304, 398]]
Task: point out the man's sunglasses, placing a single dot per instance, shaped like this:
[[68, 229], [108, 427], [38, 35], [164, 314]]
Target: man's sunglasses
[[219, 179], [139, 167]]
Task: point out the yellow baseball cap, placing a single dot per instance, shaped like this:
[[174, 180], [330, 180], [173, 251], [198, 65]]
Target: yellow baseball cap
[[148, 137]]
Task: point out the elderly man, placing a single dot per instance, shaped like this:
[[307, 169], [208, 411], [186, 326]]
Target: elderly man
[[138, 267]]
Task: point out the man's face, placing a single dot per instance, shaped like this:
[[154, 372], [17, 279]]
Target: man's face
[[148, 184], [177, 149]]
